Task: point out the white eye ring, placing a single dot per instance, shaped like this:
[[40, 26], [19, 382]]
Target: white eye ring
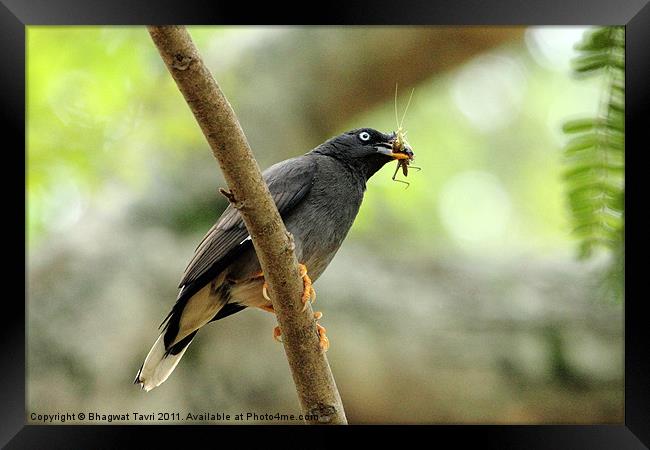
[[364, 136]]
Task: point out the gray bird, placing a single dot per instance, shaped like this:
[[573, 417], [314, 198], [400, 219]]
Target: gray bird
[[318, 196]]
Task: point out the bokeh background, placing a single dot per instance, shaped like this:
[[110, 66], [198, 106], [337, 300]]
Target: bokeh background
[[457, 300]]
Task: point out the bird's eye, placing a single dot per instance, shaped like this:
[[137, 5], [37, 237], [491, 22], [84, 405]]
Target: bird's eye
[[364, 136]]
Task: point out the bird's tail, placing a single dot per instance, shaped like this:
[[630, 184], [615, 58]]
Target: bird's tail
[[193, 309], [160, 363]]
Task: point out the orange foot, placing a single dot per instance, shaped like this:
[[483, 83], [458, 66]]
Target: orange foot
[[308, 292], [277, 332], [323, 341]]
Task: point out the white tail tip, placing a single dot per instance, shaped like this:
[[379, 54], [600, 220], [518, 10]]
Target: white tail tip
[[157, 366]]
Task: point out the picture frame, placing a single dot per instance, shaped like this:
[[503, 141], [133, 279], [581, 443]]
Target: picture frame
[[16, 15]]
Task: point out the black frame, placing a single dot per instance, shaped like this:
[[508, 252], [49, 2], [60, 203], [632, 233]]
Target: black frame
[[635, 14]]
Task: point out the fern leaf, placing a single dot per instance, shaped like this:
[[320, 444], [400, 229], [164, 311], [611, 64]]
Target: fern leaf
[[594, 155]]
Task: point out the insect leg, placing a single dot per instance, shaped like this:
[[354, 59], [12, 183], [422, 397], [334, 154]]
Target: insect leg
[[396, 169]]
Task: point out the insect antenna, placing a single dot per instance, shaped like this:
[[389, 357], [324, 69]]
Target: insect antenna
[[396, 116], [400, 139], [407, 107]]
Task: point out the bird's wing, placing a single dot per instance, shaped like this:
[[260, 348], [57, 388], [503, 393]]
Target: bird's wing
[[288, 181]]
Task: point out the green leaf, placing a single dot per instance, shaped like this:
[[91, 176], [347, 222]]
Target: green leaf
[[596, 61], [582, 142], [574, 126], [583, 169], [594, 156]]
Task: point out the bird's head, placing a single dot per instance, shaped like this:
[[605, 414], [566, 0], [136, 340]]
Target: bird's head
[[366, 149]]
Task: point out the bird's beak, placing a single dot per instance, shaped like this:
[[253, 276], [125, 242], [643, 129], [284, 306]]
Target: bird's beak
[[390, 148]]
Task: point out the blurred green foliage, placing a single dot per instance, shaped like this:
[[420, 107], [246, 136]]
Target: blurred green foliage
[[520, 181], [596, 152], [103, 111], [100, 107]]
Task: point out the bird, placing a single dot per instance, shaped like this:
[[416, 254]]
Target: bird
[[318, 196]]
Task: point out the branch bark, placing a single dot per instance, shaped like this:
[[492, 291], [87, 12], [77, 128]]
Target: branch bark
[[312, 376]]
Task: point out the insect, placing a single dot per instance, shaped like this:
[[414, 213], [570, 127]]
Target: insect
[[401, 142], [404, 165]]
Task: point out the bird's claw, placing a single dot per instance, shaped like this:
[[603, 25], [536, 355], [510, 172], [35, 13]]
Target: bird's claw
[[323, 341], [309, 296], [277, 333], [308, 292]]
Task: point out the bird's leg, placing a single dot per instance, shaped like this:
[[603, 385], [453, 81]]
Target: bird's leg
[[323, 341], [267, 308], [265, 292], [308, 292], [265, 286]]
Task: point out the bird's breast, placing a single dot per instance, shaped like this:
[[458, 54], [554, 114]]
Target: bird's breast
[[320, 224]]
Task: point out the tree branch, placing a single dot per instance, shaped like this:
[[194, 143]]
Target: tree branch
[[274, 245]]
